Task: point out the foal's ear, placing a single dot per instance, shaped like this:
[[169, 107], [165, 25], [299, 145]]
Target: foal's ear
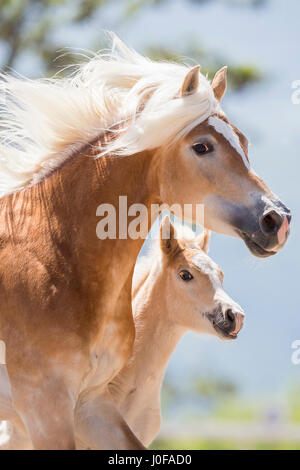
[[219, 83], [190, 82], [203, 240], [168, 237]]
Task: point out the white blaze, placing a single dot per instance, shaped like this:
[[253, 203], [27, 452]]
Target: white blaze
[[222, 127], [207, 266]]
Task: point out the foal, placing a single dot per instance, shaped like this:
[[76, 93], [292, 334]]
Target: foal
[[178, 288]]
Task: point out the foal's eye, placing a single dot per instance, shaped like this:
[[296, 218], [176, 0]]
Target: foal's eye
[[202, 149], [185, 275]]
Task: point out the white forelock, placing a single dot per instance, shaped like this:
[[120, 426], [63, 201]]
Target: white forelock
[[44, 121]]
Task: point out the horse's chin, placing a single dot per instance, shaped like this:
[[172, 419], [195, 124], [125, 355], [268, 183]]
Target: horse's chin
[[255, 248], [224, 335]]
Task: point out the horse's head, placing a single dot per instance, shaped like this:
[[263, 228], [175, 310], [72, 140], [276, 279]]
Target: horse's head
[[210, 165], [195, 296]]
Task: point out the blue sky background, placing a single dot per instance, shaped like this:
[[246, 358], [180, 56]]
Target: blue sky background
[[269, 37]]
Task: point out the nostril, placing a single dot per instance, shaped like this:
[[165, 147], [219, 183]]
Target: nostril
[[271, 222], [230, 317]]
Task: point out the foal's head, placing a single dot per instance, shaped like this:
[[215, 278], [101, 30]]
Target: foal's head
[[194, 286]]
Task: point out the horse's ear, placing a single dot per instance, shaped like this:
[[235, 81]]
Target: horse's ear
[[190, 82], [168, 237], [219, 83], [203, 240]]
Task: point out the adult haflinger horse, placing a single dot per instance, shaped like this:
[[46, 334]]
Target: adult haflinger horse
[[65, 295]]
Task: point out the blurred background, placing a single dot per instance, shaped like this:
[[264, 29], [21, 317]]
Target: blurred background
[[217, 395]]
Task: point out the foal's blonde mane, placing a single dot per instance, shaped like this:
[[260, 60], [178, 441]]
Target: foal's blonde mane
[[45, 121]]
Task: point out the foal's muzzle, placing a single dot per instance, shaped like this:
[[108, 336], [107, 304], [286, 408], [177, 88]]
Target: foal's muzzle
[[227, 324]]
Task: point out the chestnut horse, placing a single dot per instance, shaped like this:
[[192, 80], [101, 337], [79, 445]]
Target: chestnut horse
[[65, 295]]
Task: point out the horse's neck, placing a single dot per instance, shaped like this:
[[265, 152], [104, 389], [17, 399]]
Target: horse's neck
[[59, 216], [137, 388], [72, 195]]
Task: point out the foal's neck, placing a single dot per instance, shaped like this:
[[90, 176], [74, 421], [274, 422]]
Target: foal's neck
[[156, 338], [157, 335]]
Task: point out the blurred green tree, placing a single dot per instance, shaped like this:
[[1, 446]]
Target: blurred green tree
[[213, 388], [28, 25], [32, 26], [239, 75]]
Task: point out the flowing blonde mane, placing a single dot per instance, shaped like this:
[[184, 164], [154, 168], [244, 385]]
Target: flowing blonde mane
[[45, 121]]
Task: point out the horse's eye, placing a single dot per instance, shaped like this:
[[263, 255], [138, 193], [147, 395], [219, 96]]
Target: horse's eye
[[202, 149], [185, 275]]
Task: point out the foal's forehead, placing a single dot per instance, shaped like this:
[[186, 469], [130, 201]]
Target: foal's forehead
[[201, 262]]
